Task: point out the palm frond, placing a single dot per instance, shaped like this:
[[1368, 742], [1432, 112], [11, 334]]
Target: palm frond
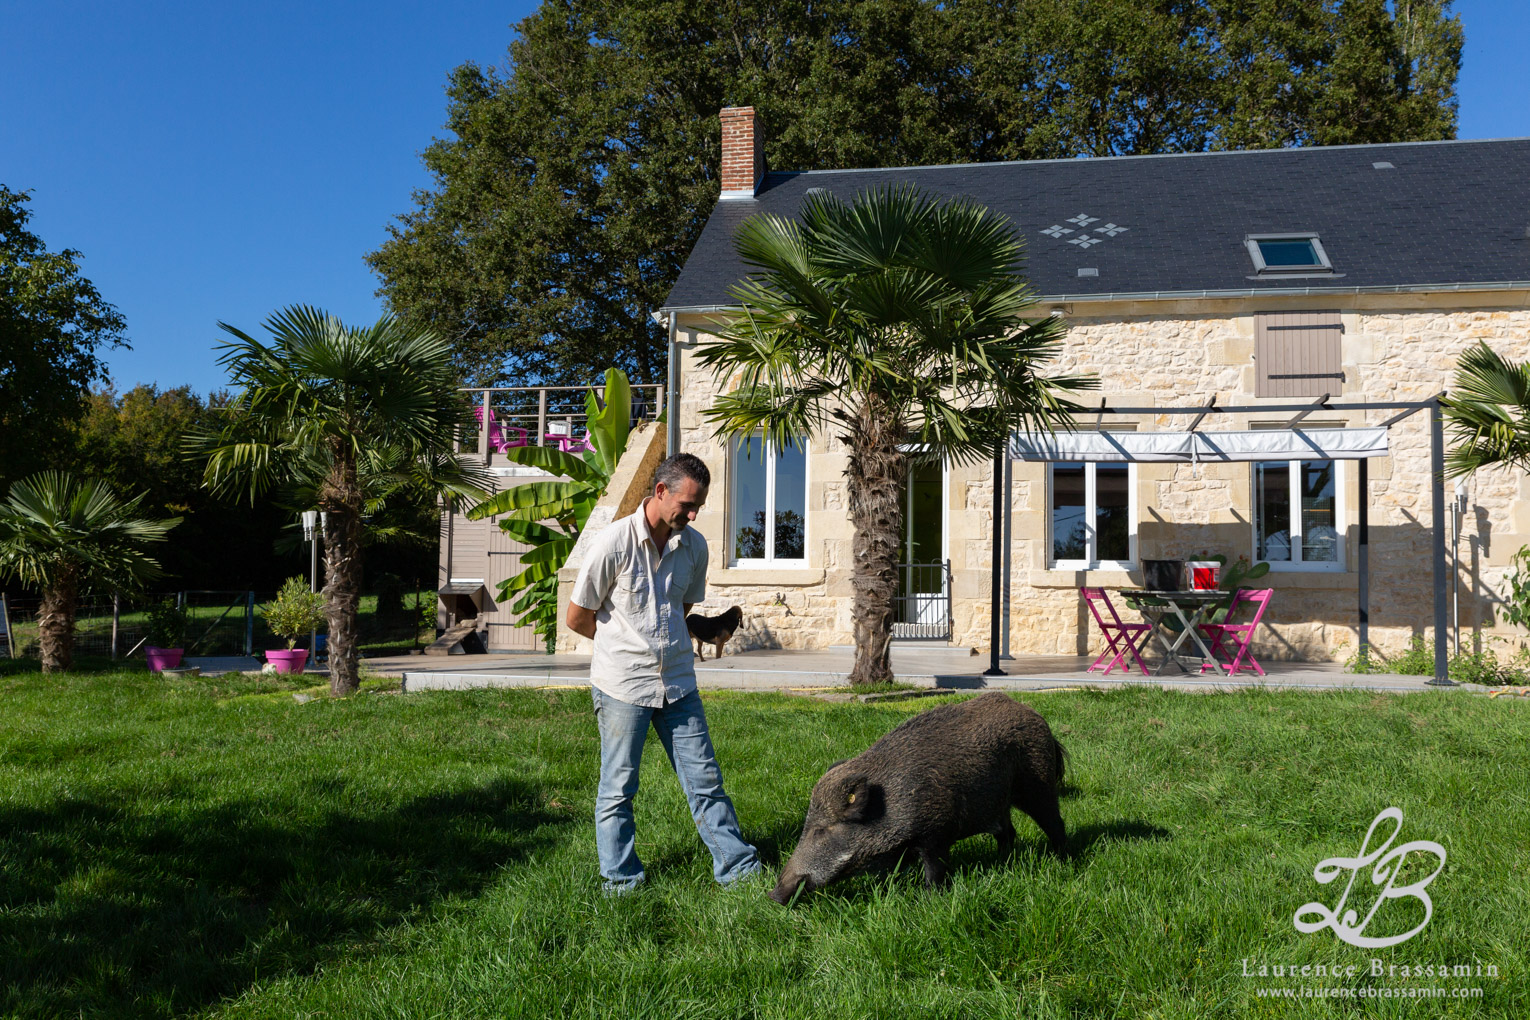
[[896, 301], [1489, 412], [53, 524]]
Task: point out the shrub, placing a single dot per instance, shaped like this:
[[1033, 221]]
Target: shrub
[[168, 623], [1482, 667], [295, 611]]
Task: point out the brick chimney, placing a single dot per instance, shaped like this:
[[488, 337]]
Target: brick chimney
[[743, 152]]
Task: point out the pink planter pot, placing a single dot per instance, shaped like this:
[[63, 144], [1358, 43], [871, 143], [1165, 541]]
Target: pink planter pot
[[288, 660], [161, 659]]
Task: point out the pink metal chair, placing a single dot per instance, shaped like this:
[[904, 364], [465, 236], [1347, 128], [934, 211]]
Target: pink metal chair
[[499, 432], [1117, 634], [1242, 634], [568, 444]]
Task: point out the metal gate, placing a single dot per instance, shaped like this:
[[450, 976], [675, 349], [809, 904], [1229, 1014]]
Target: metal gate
[[219, 622], [922, 605]]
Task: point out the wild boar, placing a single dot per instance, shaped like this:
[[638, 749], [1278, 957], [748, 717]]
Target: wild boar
[[944, 775]]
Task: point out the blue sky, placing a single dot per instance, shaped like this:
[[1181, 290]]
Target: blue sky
[[219, 161]]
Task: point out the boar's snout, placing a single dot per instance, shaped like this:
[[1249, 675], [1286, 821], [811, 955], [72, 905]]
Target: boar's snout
[[787, 888], [837, 835]]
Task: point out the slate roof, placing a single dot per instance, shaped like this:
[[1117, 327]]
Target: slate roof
[[1447, 214]]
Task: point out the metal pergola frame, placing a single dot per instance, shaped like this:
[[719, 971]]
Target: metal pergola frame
[[1000, 602]]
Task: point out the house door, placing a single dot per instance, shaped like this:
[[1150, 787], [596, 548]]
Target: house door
[[923, 609]]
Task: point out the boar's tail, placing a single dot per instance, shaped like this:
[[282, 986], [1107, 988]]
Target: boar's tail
[[1059, 755]]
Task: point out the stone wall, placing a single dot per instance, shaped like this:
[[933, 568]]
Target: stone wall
[[1160, 354]]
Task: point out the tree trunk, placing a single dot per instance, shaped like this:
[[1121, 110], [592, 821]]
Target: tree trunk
[[340, 498], [55, 621], [876, 475]]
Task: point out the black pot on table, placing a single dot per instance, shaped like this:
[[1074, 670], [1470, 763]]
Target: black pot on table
[[1162, 575]]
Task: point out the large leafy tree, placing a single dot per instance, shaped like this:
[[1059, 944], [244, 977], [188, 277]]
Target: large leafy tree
[[64, 535], [53, 325], [329, 407], [892, 321], [135, 441], [571, 186], [1489, 412]]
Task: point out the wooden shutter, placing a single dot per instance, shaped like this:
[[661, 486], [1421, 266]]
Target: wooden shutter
[[503, 562], [1298, 354]]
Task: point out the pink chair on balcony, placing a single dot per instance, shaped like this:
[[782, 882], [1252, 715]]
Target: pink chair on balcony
[[499, 432], [1242, 634], [1123, 638]]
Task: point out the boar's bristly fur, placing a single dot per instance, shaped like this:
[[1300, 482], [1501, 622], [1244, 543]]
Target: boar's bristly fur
[[944, 775]]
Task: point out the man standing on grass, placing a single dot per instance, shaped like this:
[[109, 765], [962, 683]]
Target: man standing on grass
[[640, 578]]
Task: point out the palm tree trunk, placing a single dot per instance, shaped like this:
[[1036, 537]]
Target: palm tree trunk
[[55, 621], [876, 475], [340, 497]]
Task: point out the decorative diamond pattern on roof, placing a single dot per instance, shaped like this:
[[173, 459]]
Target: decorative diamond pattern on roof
[[1085, 240]]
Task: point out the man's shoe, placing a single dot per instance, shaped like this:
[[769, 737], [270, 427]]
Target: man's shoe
[[614, 889]]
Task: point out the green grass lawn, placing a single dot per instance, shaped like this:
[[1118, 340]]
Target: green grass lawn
[[212, 847]]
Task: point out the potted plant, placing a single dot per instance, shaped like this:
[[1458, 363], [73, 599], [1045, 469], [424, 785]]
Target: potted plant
[[295, 611], [168, 623]]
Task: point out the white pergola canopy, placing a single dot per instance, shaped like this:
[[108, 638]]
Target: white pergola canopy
[[1200, 447]]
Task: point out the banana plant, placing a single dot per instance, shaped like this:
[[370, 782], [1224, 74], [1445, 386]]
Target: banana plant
[[549, 515]]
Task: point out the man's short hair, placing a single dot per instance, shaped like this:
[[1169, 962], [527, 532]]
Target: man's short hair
[[682, 465]]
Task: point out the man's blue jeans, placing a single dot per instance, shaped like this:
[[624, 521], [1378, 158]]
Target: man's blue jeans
[[682, 729]]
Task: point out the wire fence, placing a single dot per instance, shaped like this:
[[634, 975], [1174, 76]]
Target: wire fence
[[216, 622]]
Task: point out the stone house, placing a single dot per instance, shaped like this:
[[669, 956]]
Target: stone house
[[1257, 279]]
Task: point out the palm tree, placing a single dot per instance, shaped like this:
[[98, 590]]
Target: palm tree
[[1489, 412], [329, 408], [900, 321], [63, 534]]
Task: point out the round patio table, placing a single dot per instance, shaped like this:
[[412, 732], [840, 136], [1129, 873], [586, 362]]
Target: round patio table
[[1192, 608]]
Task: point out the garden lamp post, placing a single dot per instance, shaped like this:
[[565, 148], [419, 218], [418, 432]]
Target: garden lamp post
[[313, 527]]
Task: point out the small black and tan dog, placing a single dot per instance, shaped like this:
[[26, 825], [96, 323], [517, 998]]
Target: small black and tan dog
[[713, 630]]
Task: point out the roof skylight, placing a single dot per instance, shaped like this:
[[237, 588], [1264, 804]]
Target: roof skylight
[[1287, 254]]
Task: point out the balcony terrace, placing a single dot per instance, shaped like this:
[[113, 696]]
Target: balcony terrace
[[512, 416]]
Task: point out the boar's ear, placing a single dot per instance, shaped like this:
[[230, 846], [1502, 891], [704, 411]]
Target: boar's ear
[[860, 800]]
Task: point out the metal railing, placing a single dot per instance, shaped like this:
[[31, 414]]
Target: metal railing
[[509, 416], [922, 605]]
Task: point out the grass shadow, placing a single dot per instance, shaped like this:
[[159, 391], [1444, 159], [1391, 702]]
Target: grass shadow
[[105, 911], [83, 664], [1083, 840], [771, 841], [767, 843]]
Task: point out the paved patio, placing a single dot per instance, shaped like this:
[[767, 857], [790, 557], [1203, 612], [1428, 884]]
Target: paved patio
[[776, 669]]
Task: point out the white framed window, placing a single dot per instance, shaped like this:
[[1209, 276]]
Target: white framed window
[[1092, 516], [767, 508], [1299, 514]]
